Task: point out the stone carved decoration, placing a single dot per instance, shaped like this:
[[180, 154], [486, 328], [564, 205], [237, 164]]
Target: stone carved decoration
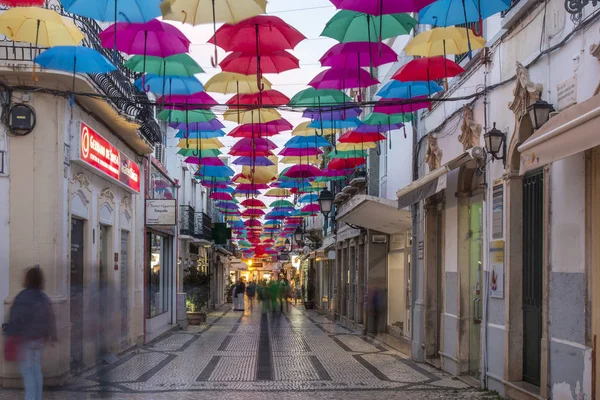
[[526, 92], [433, 158], [471, 131], [595, 51], [126, 204], [84, 182], [107, 196]]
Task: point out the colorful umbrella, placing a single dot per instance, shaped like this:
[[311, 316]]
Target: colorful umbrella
[[253, 203], [349, 123], [260, 115], [343, 78], [358, 54], [308, 198], [213, 124], [219, 171], [303, 171], [311, 208], [198, 100], [299, 160], [278, 192], [365, 128], [399, 106], [75, 59], [443, 41], [212, 161], [114, 10], [331, 113], [272, 63], [266, 97], [355, 137], [281, 204], [349, 26], [455, 12], [378, 7], [220, 196], [271, 128], [289, 152], [427, 69], [346, 163], [253, 161], [191, 117], [307, 141], [406, 90], [346, 154], [303, 129], [354, 147], [177, 65], [229, 82], [169, 85], [312, 97]]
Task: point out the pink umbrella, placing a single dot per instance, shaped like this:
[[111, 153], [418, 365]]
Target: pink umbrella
[[221, 196], [343, 78], [358, 54], [311, 208], [192, 102], [267, 129], [252, 186], [379, 7], [257, 143], [303, 171], [253, 212], [252, 222], [212, 161], [292, 152]]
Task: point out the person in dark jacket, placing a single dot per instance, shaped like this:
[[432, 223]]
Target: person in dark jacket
[[241, 291], [32, 321]]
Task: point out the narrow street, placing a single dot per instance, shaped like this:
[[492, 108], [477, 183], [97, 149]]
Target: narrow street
[[298, 355]]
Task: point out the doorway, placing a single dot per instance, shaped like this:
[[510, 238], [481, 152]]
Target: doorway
[[352, 284], [103, 295], [124, 298], [593, 250], [76, 292], [475, 284], [533, 252]]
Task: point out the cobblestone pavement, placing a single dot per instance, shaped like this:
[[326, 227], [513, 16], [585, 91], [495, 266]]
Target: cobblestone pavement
[[298, 355]]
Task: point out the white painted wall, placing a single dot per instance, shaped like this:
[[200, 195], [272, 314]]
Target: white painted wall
[[4, 225]]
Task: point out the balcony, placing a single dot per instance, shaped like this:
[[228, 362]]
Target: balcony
[[229, 247], [186, 221], [124, 96], [344, 190], [202, 227]]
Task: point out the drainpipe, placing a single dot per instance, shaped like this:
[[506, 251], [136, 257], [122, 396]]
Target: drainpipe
[[415, 218]]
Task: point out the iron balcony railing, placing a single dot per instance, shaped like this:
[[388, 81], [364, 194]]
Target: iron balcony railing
[[202, 226], [117, 86], [337, 186], [229, 246], [187, 220], [475, 29]]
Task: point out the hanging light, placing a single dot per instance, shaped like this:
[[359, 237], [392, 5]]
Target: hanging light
[[288, 245], [325, 201], [539, 112], [495, 141], [298, 235]]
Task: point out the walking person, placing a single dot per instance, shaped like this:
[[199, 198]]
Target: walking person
[[30, 326], [234, 297], [241, 291], [250, 292]]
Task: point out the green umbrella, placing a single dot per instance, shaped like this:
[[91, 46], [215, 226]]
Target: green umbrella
[[177, 65], [347, 154], [203, 153], [330, 178], [188, 117], [385, 119], [281, 203], [349, 26], [312, 97]]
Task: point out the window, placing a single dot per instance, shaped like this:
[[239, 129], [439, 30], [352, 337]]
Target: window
[[2, 162], [158, 274]]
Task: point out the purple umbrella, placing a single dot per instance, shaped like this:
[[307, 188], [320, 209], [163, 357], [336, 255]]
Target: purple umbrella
[[343, 78], [332, 114], [291, 152], [255, 162], [213, 161], [358, 54], [212, 125], [200, 100], [379, 7], [366, 128]]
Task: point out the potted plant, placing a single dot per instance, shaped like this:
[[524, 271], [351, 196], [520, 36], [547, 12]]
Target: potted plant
[[309, 303], [196, 285]]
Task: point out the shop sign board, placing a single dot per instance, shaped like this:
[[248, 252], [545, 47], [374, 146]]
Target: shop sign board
[[161, 212], [98, 153]]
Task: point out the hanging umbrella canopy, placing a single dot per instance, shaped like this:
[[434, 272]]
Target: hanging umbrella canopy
[[275, 62], [376, 118], [75, 59], [208, 144], [307, 142], [212, 161], [455, 12], [291, 152], [229, 82], [252, 186], [255, 203], [198, 12], [278, 192], [39, 26], [345, 164], [213, 124], [443, 41], [153, 38], [257, 143], [220, 171], [354, 147], [428, 68], [349, 26], [303, 171], [355, 137], [265, 33], [192, 116], [406, 90], [253, 212], [399, 106], [347, 154], [161, 85], [358, 54], [267, 97], [281, 204], [271, 128], [349, 123], [332, 113], [176, 65], [253, 161], [308, 198], [203, 153], [250, 152], [378, 7], [366, 128], [225, 190], [343, 78], [312, 97], [104, 10], [220, 196], [311, 208], [314, 160], [257, 115], [303, 129], [252, 222], [195, 101]]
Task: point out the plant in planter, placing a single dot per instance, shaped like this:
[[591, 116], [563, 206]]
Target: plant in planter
[[309, 303], [196, 285]]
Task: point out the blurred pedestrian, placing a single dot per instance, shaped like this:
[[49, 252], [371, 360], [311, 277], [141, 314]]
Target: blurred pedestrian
[[374, 310], [241, 291], [250, 292], [234, 296], [30, 326]]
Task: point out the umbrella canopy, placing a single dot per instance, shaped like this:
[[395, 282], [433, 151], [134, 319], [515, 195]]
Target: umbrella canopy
[[312, 97], [271, 128], [267, 97], [219, 171], [213, 124], [205, 144], [230, 82], [265, 33], [114, 10], [275, 62], [198, 100], [257, 143], [331, 113], [281, 204], [203, 153], [378, 7], [308, 198], [303, 171], [250, 116], [252, 186], [355, 137], [455, 12], [75, 59], [376, 118], [443, 41], [197, 12], [253, 203], [192, 116], [212, 161], [176, 65], [349, 123], [290, 152], [304, 129], [299, 142], [358, 54], [343, 78], [253, 161], [365, 128], [153, 38], [346, 154], [311, 208], [221, 196], [349, 26], [252, 222], [169, 85], [399, 106], [277, 192], [428, 68], [406, 90], [347, 163], [40, 26], [301, 160]]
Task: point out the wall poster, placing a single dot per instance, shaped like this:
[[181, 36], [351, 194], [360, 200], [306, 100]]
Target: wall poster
[[497, 269]]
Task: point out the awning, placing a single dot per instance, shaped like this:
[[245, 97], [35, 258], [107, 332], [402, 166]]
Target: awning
[[570, 132], [375, 213], [432, 183]]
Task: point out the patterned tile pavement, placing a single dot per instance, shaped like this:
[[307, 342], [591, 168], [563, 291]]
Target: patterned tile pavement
[[298, 355]]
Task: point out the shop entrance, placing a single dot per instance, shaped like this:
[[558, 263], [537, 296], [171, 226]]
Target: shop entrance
[[103, 295], [76, 292], [124, 300]]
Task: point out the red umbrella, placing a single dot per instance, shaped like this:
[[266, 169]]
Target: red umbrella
[[22, 3], [267, 97], [265, 33], [303, 171], [357, 137], [191, 102], [268, 129], [343, 78], [253, 212], [271, 63], [399, 106], [427, 69], [345, 163], [253, 203]]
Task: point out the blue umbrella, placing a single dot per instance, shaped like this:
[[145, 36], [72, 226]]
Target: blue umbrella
[[455, 12], [229, 206], [115, 10], [75, 59], [349, 123], [224, 190], [257, 161], [200, 134], [308, 198], [301, 142], [407, 90], [170, 85], [218, 171]]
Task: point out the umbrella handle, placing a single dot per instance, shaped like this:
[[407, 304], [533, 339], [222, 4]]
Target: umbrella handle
[[145, 88], [214, 60]]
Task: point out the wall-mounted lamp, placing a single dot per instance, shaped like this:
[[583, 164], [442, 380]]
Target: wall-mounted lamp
[[495, 141]]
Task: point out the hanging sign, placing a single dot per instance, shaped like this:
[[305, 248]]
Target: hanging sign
[[497, 270], [161, 212]]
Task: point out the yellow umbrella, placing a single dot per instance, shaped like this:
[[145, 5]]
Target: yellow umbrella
[[232, 83], [278, 192], [356, 146], [318, 185], [304, 130], [443, 41], [300, 160], [205, 144], [254, 116], [263, 174]]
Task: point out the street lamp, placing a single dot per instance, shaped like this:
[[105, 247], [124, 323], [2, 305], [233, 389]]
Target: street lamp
[[325, 201], [298, 235], [539, 112], [495, 141]]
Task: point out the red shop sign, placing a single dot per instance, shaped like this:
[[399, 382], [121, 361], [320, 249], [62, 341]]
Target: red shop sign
[[103, 156]]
